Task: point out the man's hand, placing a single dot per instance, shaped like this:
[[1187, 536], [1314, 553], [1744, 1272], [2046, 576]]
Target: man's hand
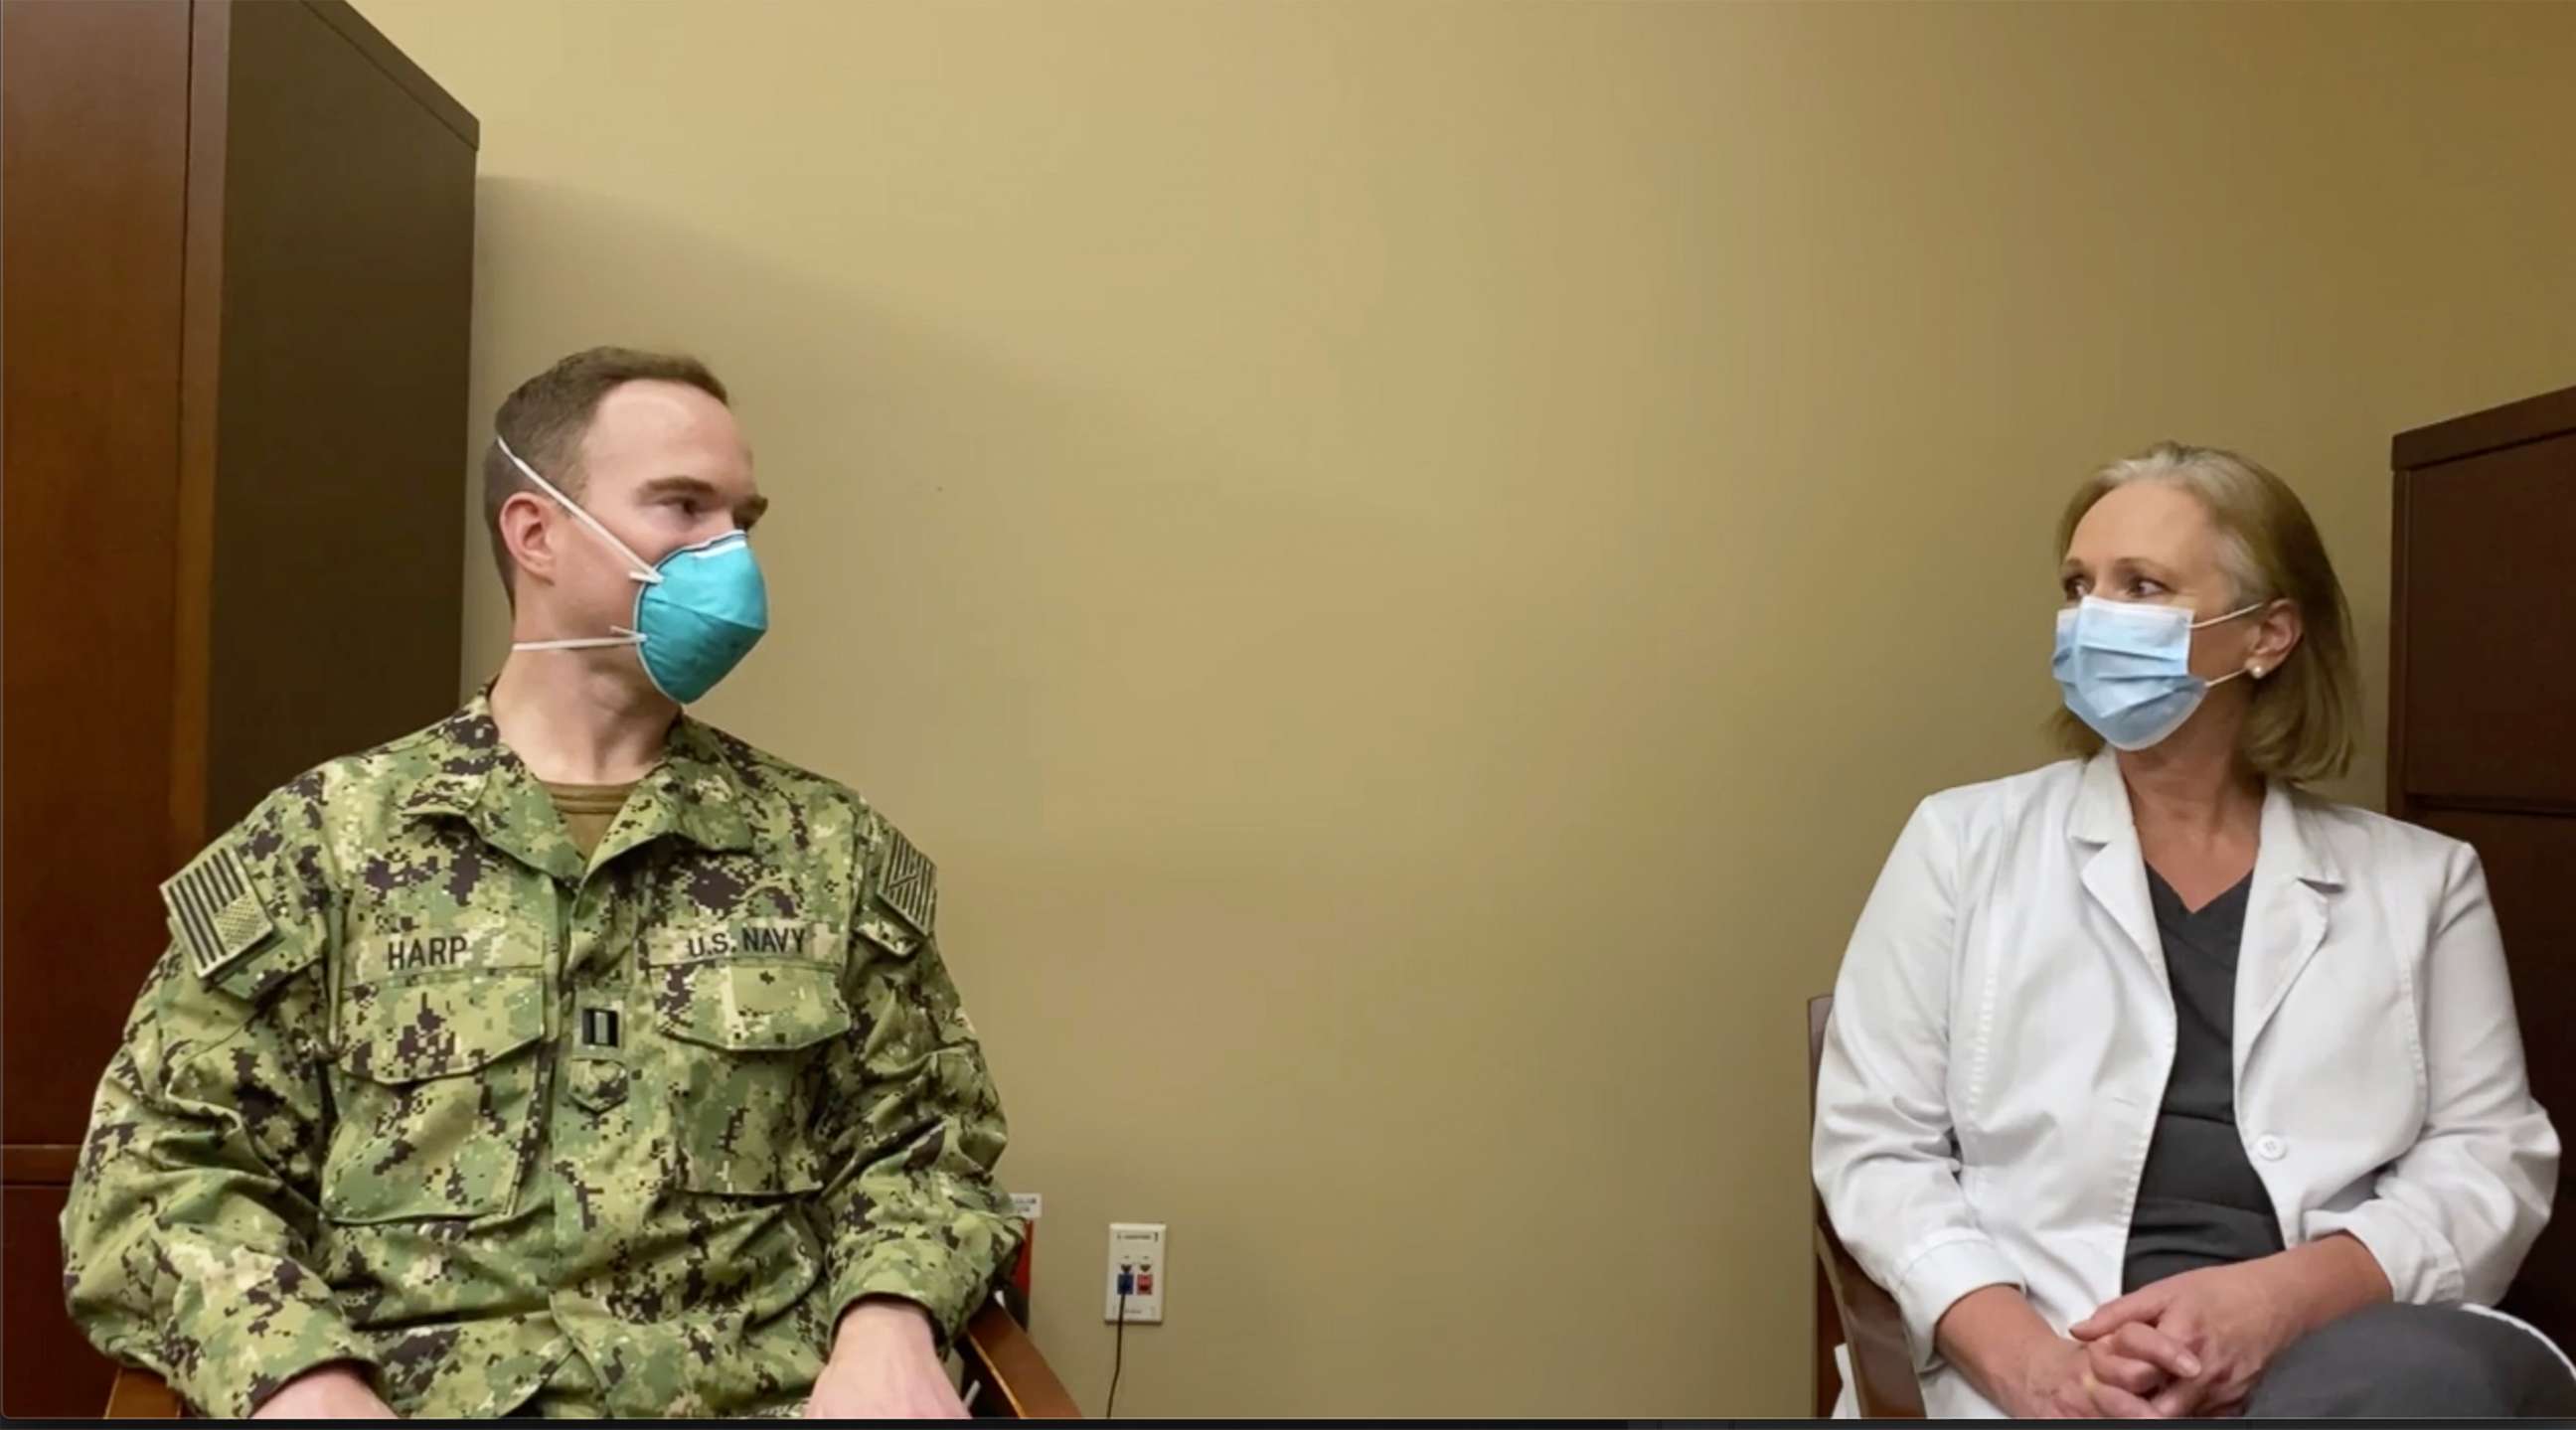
[[2234, 1318], [331, 1392], [884, 1366]]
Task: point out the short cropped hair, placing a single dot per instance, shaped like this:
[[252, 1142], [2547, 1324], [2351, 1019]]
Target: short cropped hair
[[545, 419]]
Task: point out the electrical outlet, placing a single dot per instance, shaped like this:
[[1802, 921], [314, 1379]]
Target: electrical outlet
[[1136, 1269]]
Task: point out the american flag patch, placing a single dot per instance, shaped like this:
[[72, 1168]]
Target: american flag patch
[[908, 883], [214, 912]]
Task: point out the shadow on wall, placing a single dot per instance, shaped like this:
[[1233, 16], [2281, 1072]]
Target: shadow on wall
[[927, 535]]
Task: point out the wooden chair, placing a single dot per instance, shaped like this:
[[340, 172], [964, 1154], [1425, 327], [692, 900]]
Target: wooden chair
[[138, 1394], [1005, 1379], [1850, 1308]]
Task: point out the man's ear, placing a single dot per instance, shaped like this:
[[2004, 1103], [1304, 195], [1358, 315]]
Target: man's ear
[[529, 536], [2276, 634]]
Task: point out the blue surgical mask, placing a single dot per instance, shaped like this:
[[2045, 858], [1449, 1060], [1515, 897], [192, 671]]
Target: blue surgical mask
[[2125, 668], [697, 613]]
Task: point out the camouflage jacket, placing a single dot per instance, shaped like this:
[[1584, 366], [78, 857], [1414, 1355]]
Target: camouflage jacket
[[418, 1086]]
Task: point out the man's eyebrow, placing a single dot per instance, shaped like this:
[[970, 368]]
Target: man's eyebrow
[[752, 509], [678, 486]]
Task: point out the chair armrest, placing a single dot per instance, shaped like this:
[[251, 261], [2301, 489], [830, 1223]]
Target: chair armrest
[[138, 1394], [1873, 1329], [1011, 1365]]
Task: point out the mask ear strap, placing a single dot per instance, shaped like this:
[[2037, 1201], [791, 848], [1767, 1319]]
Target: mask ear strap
[[2242, 669], [582, 643], [2215, 620], [636, 564]]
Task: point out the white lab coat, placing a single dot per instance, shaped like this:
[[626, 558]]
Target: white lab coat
[[2003, 1028]]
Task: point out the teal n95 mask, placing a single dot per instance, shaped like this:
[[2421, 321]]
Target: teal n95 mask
[[698, 611]]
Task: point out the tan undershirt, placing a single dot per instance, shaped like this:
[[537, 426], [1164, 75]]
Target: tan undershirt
[[588, 810]]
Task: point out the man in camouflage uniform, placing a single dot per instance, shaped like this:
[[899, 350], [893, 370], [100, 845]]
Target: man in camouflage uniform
[[567, 1057]]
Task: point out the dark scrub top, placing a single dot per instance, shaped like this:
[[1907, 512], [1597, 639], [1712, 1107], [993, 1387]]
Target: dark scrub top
[[2200, 1204], [2199, 1201]]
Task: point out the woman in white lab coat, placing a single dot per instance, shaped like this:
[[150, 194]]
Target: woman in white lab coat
[[2158, 1085]]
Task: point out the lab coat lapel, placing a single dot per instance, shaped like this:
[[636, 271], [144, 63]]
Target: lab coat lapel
[[2114, 873], [2286, 913]]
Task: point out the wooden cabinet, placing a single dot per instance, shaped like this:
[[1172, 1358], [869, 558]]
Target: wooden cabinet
[[238, 267], [2482, 725]]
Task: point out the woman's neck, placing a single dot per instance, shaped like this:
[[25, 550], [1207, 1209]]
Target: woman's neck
[[2193, 786]]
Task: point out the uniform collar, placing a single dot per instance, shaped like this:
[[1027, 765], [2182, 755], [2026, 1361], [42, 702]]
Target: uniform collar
[[696, 793]]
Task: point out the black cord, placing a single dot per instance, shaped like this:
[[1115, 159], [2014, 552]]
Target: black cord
[[1118, 1362]]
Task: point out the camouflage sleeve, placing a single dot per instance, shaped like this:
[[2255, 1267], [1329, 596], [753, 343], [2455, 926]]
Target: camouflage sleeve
[[910, 1208], [186, 1237]]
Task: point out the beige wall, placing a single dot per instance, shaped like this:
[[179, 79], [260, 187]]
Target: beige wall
[[1409, 559]]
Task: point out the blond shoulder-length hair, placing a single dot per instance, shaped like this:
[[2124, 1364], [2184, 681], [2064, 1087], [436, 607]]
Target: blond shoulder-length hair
[[2305, 723]]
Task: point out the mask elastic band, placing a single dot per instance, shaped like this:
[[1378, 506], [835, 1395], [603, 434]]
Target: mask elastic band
[[2196, 625], [2214, 620], [636, 567], [585, 643]]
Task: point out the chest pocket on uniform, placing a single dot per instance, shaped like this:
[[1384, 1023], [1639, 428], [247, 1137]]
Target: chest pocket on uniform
[[744, 1038], [434, 1087]]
